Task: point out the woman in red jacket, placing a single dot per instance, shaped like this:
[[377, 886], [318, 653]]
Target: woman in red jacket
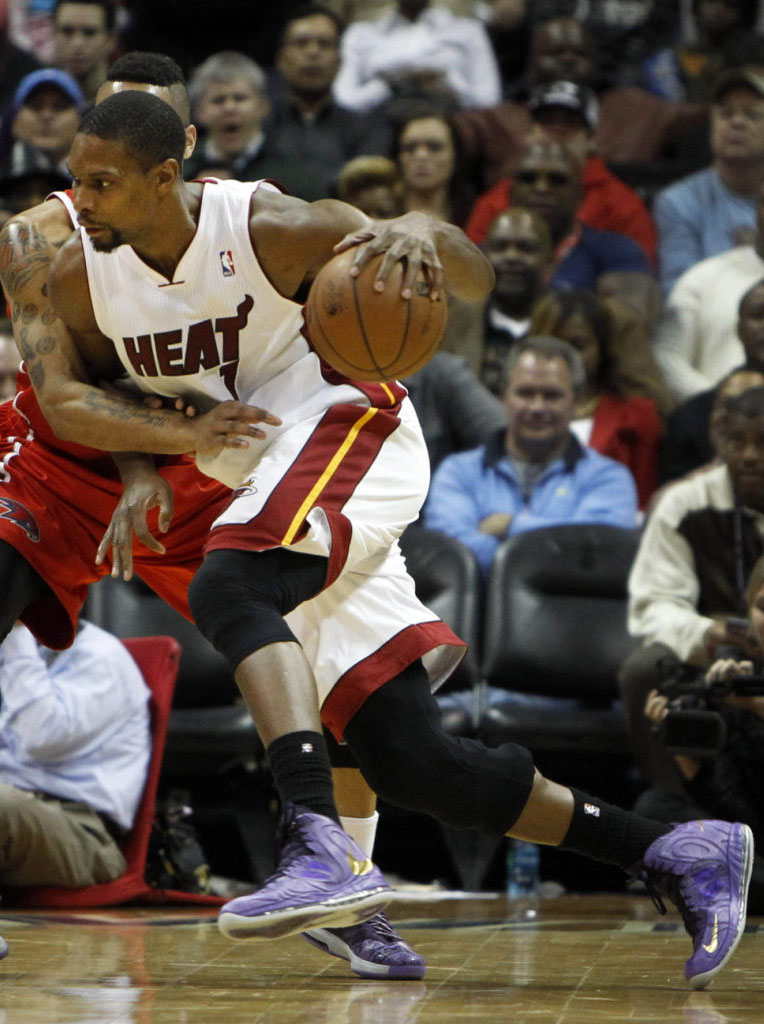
[[617, 410]]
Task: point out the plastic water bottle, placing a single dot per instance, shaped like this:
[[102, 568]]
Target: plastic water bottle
[[523, 875]]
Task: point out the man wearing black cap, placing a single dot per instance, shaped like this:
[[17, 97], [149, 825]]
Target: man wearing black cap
[[568, 112], [714, 210], [634, 126]]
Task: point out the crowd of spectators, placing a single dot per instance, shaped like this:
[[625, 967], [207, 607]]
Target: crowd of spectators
[[609, 159]]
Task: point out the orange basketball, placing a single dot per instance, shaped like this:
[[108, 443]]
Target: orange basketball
[[370, 335]]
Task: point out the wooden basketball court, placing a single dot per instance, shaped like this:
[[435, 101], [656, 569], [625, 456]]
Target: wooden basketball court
[[581, 960]]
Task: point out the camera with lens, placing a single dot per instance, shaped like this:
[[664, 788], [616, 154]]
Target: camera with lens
[[694, 725]]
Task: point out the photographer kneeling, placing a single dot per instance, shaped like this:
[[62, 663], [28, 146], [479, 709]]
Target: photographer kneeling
[[713, 725]]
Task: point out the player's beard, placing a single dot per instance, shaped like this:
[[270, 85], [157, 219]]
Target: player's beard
[[107, 242]]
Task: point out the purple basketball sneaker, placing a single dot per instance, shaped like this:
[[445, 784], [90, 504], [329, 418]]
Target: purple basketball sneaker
[[374, 949], [704, 867], [322, 878]]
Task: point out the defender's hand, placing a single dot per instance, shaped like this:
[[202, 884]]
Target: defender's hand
[[129, 519], [228, 425]]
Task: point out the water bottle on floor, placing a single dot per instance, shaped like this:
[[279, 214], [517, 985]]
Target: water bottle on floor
[[523, 874]]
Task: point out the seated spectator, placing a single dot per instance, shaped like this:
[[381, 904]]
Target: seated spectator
[[687, 72], [610, 414], [310, 136], [84, 37], [42, 122], [428, 156], [9, 361], [696, 339], [714, 210], [535, 472], [456, 412], [702, 538], [519, 247], [687, 441], [726, 782], [547, 182], [417, 52], [567, 113], [633, 127], [373, 185], [229, 102], [74, 751]]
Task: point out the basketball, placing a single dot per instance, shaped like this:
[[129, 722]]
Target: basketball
[[369, 335]]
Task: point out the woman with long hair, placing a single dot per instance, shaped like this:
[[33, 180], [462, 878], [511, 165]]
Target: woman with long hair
[[427, 150]]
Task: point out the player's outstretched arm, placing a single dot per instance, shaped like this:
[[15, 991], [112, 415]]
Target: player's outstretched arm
[[294, 239]]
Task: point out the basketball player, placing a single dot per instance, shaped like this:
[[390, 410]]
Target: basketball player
[[302, 583], [373, 947]]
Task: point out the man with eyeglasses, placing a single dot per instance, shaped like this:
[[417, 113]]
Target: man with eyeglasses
[[714, 210], [569, 113], [548, 183]]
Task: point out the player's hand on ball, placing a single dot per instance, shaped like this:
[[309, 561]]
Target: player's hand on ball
[[141, 493], [229, 425], [406, 239]]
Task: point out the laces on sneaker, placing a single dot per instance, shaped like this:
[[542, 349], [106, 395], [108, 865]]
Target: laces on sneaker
[[382, 928], [658, 885]]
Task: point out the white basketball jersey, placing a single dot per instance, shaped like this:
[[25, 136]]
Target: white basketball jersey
[[218, 330]]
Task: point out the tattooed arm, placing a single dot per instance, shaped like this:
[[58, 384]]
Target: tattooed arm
[[64, 363]]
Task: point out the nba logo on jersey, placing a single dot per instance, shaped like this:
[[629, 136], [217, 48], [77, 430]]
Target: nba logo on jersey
[[226, 262]]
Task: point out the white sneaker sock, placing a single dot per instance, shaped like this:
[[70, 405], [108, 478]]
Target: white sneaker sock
[[362, 831]]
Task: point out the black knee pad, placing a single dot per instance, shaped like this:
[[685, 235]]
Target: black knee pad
[[239, 598], [409, 761]]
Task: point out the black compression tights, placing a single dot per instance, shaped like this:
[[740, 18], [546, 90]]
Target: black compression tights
[[409, 761], [19, 585]]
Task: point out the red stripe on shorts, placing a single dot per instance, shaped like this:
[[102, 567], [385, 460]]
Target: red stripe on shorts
[[381, 396], [359, 682], [331, 464]]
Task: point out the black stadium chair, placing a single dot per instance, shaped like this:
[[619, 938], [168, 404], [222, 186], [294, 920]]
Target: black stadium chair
[[555, 635], [446, 579]]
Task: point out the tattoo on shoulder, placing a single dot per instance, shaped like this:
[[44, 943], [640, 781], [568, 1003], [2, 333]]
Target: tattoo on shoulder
[[37, 375], [46, 344], [24, 253]]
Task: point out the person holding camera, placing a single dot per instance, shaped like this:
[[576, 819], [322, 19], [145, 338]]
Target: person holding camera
[[715, 733], [688, 581]]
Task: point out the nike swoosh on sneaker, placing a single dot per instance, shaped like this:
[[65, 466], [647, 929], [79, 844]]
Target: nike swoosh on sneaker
[[713, 944], [359, 867]]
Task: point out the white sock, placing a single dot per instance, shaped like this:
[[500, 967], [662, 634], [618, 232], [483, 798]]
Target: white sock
[[362, 831]]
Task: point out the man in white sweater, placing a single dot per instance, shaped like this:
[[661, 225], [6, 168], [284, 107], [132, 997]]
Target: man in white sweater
[[696, 340]]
